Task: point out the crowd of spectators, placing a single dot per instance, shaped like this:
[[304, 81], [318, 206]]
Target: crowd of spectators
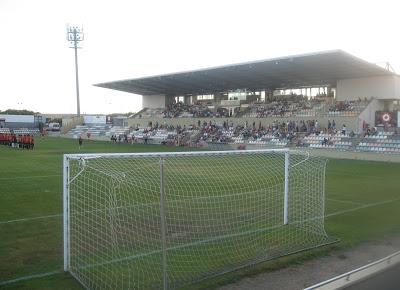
[[227, 131], [200, 109], [294, 133], [212, 131], [273, 106], [284, 106], [17, 141], [348, 106]]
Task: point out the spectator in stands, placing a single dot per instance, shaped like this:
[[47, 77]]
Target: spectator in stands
[[367, 132], [344, 129]]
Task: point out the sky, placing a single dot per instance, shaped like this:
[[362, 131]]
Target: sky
[[128, 39]]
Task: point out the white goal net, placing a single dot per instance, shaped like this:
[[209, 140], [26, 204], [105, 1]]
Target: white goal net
[[165, 220]]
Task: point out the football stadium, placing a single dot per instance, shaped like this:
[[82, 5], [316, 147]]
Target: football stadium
[[226, 173]]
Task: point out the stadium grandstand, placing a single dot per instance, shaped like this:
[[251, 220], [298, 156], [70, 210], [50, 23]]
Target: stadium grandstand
[[329, 100]]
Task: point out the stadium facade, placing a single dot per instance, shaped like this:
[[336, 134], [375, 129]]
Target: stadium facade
[[333, 73]]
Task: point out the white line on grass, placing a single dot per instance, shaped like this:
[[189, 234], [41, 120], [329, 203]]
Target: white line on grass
[[30, 219], [341, 172], [362, 207], [24, 278], [346, 201]]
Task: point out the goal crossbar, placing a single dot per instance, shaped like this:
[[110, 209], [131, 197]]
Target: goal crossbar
[[171, 154]]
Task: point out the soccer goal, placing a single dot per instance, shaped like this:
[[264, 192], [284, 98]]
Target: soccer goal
[[165, 220]]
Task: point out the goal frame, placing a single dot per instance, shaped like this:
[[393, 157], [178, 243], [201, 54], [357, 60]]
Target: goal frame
[[286, 152]]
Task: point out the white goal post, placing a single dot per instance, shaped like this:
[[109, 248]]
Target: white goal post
[[165, 220]]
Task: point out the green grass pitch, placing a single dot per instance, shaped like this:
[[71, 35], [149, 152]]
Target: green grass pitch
[[362, 203]]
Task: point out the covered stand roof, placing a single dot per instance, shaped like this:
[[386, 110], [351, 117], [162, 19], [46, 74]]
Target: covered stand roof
[[315, 69]]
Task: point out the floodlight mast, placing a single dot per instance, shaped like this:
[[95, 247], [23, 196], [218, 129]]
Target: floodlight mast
[[75, 36]]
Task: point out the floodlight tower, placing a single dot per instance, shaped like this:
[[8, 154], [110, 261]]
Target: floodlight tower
[[75, 36]]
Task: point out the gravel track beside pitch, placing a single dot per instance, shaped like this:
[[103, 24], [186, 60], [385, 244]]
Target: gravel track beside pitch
[[318, 270]]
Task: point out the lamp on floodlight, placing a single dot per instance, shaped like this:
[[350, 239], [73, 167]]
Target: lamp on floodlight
[[74, 37]]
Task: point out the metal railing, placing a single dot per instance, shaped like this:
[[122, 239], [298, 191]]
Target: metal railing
[[358, 274]]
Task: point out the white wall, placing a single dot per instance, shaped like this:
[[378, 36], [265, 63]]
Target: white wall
[[18, 118], [368, 115], [397, 85], [383, 87], [153, 101], [398, 119]]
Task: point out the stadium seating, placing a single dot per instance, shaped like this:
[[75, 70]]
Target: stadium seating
[[20, 131], [347, 108], [278, 134], [25, 131], [153, 137], [150, 113], [382, 142], [328, 141], [97, 131], [276, 106], [291, 106], [200, 109], [117, 131], [269, 139], [271, 142]]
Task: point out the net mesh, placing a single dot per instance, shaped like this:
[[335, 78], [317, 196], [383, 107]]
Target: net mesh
[[164, 221]]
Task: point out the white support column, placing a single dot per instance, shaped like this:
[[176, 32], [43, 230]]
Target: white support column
[[163, 226], [286, 191], [66, 212]]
